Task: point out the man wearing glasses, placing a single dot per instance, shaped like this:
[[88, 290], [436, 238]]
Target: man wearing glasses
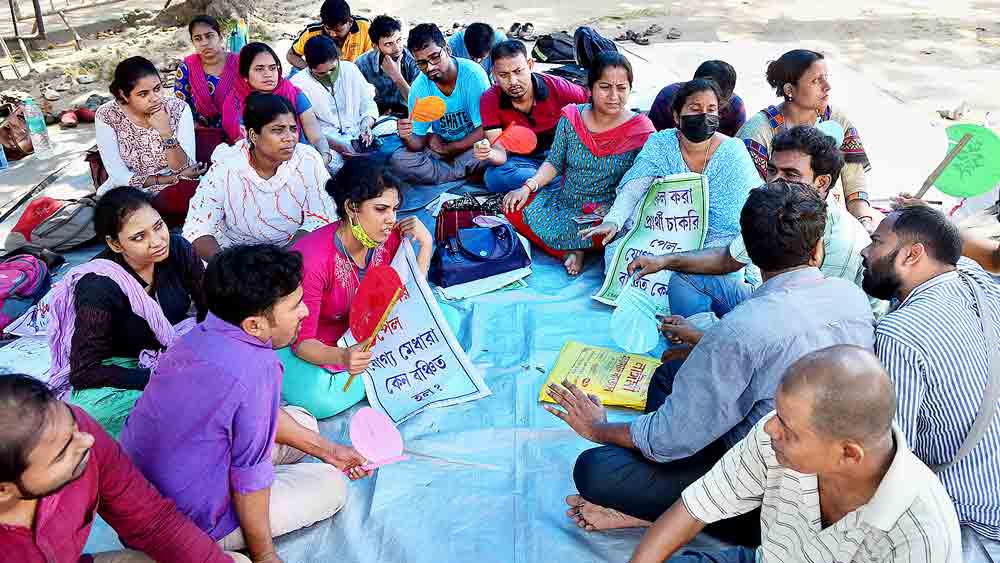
[[441, 151]]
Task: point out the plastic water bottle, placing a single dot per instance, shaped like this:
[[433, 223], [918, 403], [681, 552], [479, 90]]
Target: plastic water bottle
[[37, 128]]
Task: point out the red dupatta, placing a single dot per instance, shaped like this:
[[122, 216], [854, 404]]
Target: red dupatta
[[232, 110], [209, 105], [628, 136]]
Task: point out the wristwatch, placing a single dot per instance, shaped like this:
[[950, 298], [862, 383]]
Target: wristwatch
[[170, 143]]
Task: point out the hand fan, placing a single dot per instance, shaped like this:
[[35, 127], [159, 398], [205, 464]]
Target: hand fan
[[428, 109], [972, 166], [376, 296], [375, 437], [518, 139]]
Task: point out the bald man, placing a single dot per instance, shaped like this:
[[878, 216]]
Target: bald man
[[833, 478]]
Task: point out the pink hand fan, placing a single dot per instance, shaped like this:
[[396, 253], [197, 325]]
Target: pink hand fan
[[375, 437]]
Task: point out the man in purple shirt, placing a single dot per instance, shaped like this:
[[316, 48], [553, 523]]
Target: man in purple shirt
[[732, 114], [206, 427]]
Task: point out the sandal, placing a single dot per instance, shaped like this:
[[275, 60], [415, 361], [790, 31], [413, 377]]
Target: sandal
[[527, 32], [653, 30], [68, 119]]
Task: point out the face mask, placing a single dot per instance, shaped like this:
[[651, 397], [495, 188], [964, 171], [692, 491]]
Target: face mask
[[699, 127], [359, 233]]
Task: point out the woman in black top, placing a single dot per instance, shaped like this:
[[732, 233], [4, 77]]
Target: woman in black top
[[110, 335]]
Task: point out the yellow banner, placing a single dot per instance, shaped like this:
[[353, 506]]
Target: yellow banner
[[619, 379]]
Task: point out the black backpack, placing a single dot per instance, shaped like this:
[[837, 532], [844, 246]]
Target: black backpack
[[588, 43], [554, 48]]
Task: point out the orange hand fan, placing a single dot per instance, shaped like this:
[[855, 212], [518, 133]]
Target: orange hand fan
[[518, 139], [376, 296], [428, 109]]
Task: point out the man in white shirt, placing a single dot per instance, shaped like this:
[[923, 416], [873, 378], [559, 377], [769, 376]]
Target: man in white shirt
[[833, 477]]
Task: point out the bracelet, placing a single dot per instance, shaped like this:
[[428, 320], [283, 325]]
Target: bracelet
[[532, 185], [858, 196]]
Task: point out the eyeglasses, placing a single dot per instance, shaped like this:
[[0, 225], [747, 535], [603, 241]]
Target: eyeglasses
[[434, 59]]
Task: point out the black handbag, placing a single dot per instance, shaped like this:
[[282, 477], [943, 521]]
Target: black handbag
[[476, 253]]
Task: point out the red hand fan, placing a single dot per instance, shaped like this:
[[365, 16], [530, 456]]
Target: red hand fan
[[518, 139], [376, 296]]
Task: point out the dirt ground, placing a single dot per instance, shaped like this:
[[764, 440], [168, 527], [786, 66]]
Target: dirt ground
[[929, 54]]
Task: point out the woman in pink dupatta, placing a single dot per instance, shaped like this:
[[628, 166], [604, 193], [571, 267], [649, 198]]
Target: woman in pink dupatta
[[260, 71], [204, 80], [335, 259], [595, 145]]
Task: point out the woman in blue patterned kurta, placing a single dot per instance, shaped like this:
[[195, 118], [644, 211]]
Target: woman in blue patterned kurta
[[595, 144]]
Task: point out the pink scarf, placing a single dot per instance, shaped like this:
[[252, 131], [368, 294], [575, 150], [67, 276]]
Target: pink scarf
[[232, 109], [628, 136], [62, 315], [209, 105]]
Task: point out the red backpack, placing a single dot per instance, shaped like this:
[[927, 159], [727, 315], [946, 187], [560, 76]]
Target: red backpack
[[24, 279]]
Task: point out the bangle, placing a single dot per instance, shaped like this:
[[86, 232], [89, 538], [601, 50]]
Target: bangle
[[532, 185]]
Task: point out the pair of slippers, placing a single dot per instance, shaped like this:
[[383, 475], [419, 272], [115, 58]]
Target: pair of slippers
[[525, 32], [643, 38], [70, 118]]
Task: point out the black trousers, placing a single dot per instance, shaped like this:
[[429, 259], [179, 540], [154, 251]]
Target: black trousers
[[626, 481]]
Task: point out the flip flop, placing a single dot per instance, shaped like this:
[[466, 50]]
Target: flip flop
[[528, 32], [653, 29], [640, 40]]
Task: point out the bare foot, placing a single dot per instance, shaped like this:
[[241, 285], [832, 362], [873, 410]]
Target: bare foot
[[574, 262], [593, 518]]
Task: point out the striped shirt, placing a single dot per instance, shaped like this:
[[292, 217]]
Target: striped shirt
[[909, 518], [935, 352]]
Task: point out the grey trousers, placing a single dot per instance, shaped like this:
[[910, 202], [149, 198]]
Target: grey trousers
[[427, 167]]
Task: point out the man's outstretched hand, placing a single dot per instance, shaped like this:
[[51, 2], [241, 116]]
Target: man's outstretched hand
[[582, 412]]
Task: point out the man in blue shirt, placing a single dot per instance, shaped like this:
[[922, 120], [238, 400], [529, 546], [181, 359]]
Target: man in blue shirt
[[441, 151], [698, 409], [475, 43]]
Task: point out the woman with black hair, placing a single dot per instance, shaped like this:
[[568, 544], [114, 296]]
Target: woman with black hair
[[206, 76], [335, 259], [146, 140], [261, 72], [265, 189], [111, 316], [802, 79]]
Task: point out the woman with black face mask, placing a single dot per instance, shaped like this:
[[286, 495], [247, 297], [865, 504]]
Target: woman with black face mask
[[696, 146]]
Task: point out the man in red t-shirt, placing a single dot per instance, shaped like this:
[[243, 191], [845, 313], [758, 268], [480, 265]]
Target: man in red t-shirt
[[520, 96], [58, 468]]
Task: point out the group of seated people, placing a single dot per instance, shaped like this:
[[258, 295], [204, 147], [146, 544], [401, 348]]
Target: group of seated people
[[795, 417]]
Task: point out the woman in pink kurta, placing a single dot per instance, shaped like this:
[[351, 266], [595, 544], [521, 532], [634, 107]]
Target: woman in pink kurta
[[335, 260]]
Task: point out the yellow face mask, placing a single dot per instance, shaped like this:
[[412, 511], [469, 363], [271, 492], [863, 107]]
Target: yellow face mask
[[359, 233]]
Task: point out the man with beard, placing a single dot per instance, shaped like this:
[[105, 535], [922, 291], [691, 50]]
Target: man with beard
[[525, 98], [710, 279], [441, 151], [209, 431], [58, 468], [389, 67], [698, 409], [833, 478], [940, 346]]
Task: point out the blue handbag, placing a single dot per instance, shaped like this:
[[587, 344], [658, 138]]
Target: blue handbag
[[476, 253]]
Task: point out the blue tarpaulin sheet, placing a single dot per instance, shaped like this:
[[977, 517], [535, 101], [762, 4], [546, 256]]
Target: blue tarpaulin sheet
[[502, 466]]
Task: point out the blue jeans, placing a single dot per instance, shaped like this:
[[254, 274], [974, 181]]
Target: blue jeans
[[977, 549], [733, 555], [512, 174], [690, 294]]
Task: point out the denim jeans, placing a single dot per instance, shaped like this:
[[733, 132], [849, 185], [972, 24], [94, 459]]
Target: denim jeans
[[624, 480], [977, 549], [734, 555], [512, 174], [690, 294]]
